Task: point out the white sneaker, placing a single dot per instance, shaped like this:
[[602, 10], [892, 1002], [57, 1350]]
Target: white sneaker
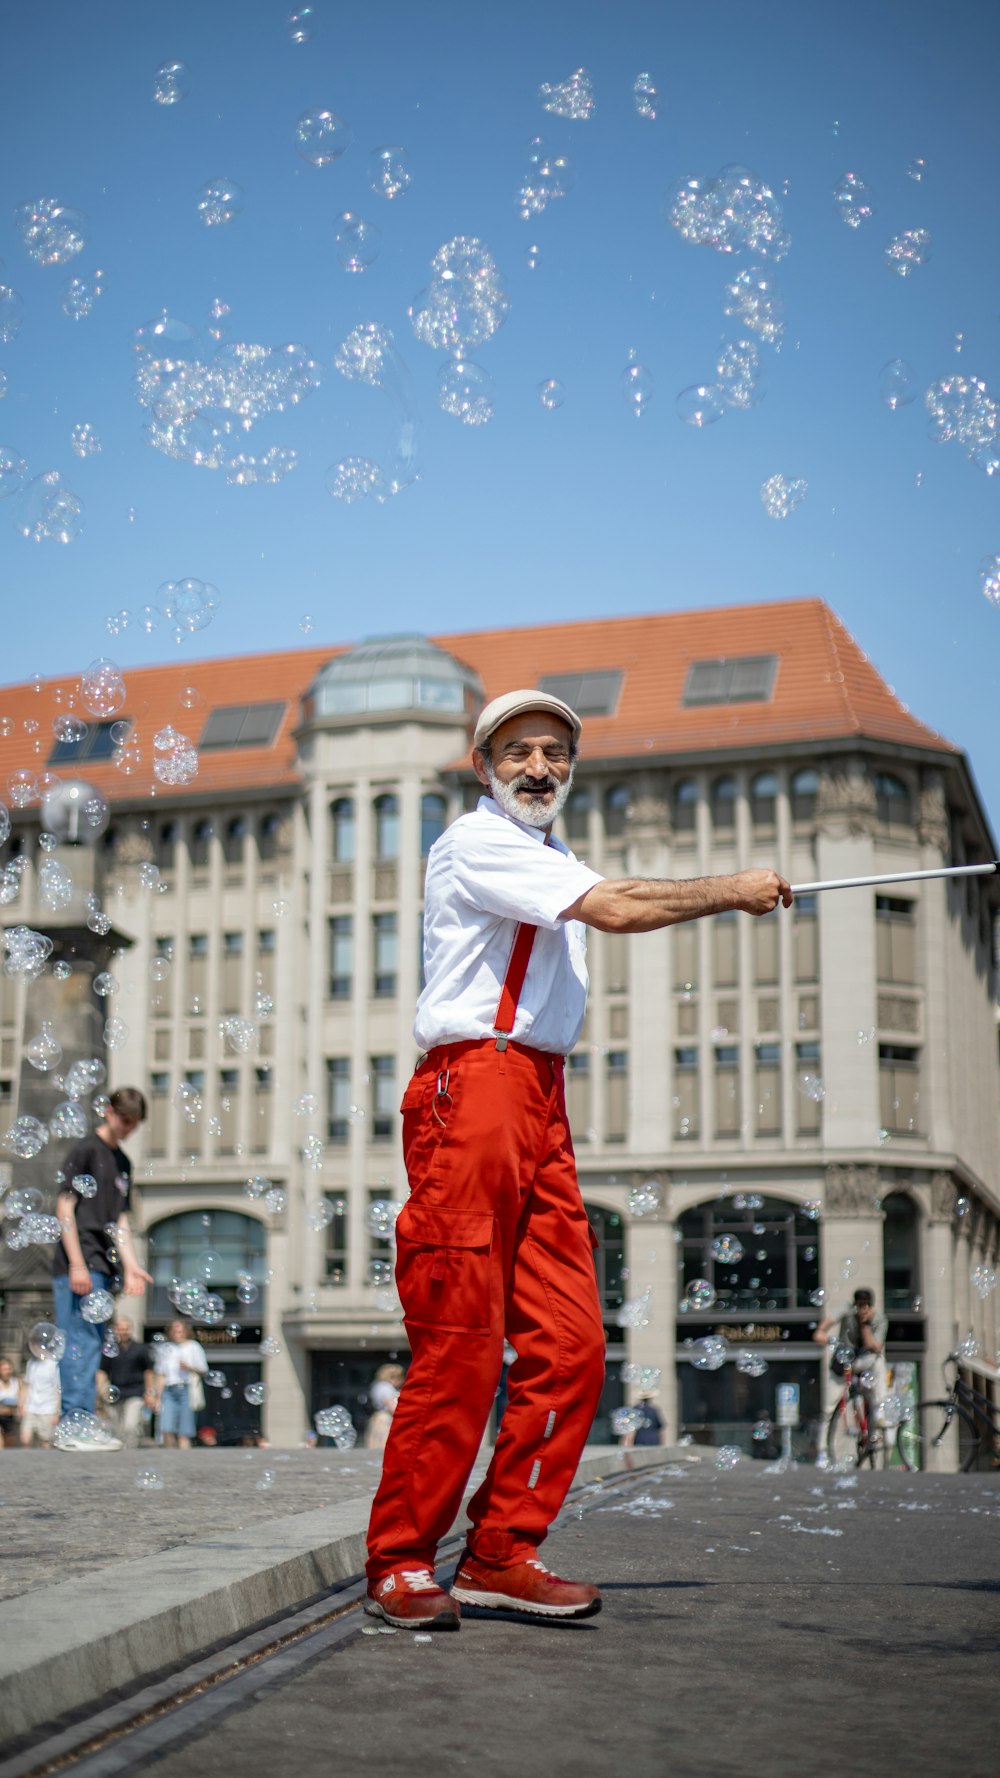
[[89, 1444]]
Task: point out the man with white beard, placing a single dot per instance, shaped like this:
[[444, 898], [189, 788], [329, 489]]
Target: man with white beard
[[493, 1244]]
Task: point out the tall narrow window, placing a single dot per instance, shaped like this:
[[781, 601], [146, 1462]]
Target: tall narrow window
[[384, 1108], [727, 1090], [385, 946], [764, 800], [617, 1096], [335, 1248], [338, 1098], [810, 1089], [386, 828], [725, 950], [229, 1110], [262, 1102], [341, 957], [765, 949], [232, 971], [686, 1120], [804, 790], [342, 820], [201, 840], [892, 805], [433, 815], [577, 815], [899, 1088], [805, 939], [684, 946], [768, 1089], [267, 950], [578, 1094], [197, 971], [616, 807], [724, 806], [895, 930], [684, 807], [159, 1110]]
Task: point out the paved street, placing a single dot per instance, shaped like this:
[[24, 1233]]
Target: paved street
[[754, 1623]]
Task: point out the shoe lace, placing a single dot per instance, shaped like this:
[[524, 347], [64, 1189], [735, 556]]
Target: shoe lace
[[419, 1580], [533, 1562]]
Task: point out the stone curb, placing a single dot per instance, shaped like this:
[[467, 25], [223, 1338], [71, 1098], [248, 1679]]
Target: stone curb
[[62, 1648]]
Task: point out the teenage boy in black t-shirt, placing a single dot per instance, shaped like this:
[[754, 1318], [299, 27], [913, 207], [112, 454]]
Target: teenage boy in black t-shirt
[[84, 1260]]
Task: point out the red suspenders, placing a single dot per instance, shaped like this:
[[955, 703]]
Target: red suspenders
[[513, 981]]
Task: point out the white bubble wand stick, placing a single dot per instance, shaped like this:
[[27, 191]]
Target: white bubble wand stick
[[902, 876]]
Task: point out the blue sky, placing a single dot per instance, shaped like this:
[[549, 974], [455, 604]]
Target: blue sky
[[538, 516]]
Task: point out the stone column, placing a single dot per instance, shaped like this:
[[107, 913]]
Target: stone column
[[938, 1284], [845, 847], [649, 977], [650, 1254], [851, 1248]]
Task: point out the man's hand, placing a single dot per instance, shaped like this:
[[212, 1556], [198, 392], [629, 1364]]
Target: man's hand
[[136, 1280], [759, 891], [79, 1280]]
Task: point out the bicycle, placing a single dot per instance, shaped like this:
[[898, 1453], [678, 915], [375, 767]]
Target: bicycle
[[924, 1431], [850, 1436]]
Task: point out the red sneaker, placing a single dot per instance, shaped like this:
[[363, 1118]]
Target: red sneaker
[[527, 1586], [411, 1599]]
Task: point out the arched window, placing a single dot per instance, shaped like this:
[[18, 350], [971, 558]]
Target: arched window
[[609, 1257], [342, 819], [754, 1252], [892, 802], [269, 834], [433, 816], [724, 803], [577, 816], [901, 1252], [763, 799], [166, 841], [804, 791], [386, 827], [201, 840], [684, 805], [215, 1247], [236, 831], [616, 806]]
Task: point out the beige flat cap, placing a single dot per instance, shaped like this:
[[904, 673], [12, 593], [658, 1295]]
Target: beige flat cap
[[513, 703]]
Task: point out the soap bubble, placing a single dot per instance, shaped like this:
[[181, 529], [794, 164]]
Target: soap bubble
[[256, 1186], [335, 1422], [80, 1428], [241, 1035], [781, 496], [171, 83], [55, 885], [646, 1198], [358, 241], [761, 1429], [301, 24], [853, 200], [13, 470], [85, 1184], [265, 1481], [572, 98], [270, 1347], [897, 384], [983, 1279], [753, 299], [551, 394], [389, 172], [355, 478], [321, 137], [465, 391], [635, 1312], [741, 382], [69, 729], [728, 1456], [727, 1250], [85, 440], [636, 386], [750, 1363], [969, 1347], [368, 355], [907, 251], [625, 1420], [989, 578], [644, 96], [11, 313], [50, 233], [68, 1122], [255, 1394], [25, 1138], [699, 1294], [98, 1306], [175, 758], [700, 405], [102, 689], [382, 1214], [247, 1292], [149, 1481], [732, 212], [549, 176], [50, 512], [709, 1354], [812, 1208], [962, 408], [23, 1201], [812, 1087], [79, 294], [220, 201], [44, 1052], [916, 169], [189, 604], [465, 302], [46, 1341]]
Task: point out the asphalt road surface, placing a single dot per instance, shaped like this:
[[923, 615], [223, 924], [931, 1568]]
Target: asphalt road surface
[[754, 1622]]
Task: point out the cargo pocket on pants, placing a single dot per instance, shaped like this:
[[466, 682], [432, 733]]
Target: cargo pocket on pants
[[443, 1268]]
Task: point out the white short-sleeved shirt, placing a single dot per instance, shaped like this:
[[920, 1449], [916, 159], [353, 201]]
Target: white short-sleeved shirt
[[485, 875], [42, 1378], [169, 1356]]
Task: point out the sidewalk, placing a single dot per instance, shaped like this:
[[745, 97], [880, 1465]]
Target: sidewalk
[[105, 1583]]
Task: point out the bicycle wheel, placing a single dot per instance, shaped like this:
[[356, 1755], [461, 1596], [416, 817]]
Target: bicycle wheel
[[842, 1434], [924, 1432]]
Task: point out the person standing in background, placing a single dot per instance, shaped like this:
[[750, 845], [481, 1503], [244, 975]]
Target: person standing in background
[[130, 1377], [10, 1404], [94, 1197], [179, 1359], [39, 1402]]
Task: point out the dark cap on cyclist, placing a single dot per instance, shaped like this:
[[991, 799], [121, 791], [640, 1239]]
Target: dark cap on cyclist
[[864, 1296]]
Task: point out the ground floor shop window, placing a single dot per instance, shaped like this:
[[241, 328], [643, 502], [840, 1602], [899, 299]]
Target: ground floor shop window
[[728, 1407], [755, 1252]]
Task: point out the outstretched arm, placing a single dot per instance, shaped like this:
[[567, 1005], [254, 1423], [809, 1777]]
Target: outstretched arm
[[645, 904]]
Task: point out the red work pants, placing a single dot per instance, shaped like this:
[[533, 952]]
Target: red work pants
[[493, 1243]]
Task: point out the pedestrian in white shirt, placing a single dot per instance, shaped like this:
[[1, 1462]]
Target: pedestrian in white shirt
[[39, 1401], [180, 1366], [494, 1241]]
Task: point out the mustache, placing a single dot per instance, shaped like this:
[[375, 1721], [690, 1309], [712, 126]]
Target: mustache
[[537, 786]]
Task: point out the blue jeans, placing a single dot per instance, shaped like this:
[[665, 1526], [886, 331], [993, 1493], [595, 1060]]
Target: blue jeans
[[80, 1362]]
